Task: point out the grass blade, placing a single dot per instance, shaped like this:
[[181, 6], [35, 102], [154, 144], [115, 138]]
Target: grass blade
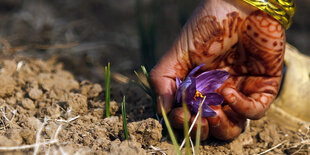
[[124, 118], [186, 127], [145, 87], [107, 89], [153, 95], [148, 89], [197, 142], [146, 74], [170, 131]]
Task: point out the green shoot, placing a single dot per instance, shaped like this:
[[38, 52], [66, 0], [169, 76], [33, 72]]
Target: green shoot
[[199, 115], [124, 118], [171, 134], [197, 143], [186, 134], [148, 89], [107, 89]]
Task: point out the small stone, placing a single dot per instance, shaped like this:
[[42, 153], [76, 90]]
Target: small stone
[[28, 104], [35, 93]]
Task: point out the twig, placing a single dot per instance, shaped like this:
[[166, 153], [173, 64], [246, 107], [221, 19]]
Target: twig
[[56, 46], [11, 148], [4, 114], [192, 144], [156, 149], [62, 151], [37, 145], [3, 124], [39, 135], [57, 131], [272, 148], [305, 140], [19, 65], [69, 120]]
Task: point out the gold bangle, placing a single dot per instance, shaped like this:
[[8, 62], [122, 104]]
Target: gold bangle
[[281, 10]]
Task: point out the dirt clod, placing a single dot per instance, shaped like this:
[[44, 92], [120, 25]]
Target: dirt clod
[[28, 104], [35, 93], [147, 132], [126, 147]]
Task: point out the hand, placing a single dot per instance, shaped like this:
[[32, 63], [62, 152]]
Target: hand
[[233, 36]]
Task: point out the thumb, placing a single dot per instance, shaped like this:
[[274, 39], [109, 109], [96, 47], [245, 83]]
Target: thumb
[[174, 63]]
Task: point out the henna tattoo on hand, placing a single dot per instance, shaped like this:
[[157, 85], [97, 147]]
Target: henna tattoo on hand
[[263, 41], [249, 44], [254, 59]]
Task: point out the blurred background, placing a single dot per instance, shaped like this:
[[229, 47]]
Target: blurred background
[[87, 34]]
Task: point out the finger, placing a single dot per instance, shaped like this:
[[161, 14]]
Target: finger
[[255, 96], [173, 64], [227, 124], [204, 131], [177, 116]]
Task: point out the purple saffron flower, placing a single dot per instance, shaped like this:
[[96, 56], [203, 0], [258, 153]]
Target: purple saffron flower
[[204, 85]]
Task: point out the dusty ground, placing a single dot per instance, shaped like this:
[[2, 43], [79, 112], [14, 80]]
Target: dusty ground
[[51, 82], [39, 97]]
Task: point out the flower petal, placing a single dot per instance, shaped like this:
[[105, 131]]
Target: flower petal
[[194, 105], [213, 99], [207, 111], [189, 86], [178, 82], [190, 90], [211, 80], [192, 73]]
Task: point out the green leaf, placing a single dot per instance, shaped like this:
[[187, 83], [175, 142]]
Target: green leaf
[[186, 130], [124, 118], [197, 143], [147, 89], [107, 89], [170, 131]]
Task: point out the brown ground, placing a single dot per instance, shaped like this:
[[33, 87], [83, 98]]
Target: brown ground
[[51, 83], [40, 94]]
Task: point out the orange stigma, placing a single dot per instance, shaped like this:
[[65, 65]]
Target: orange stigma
[[198, 94]]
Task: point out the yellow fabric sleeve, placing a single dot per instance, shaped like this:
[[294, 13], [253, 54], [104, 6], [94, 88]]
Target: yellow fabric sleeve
[[281, 10]]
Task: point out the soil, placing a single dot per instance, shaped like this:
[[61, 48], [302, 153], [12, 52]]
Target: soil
[[40, 94], [52, 85]]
